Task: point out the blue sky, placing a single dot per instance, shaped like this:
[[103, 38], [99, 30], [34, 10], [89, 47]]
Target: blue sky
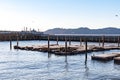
[[47, 14]]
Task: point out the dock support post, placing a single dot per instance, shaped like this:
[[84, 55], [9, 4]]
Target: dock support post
[[85, 48], [107, 40], [65, 45], [92, 39], [114, 39], [57, 40], [39, 37], [103, 41], [80, 41], [118, 41], [10, 43], [69, 41], [17, 40], [48, 43], [99, 41]]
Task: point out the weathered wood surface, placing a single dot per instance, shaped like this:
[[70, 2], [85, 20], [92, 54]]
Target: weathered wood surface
[[60, 49], [105, 57]]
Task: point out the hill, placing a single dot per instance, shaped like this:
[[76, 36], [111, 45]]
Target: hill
[[109, 30]]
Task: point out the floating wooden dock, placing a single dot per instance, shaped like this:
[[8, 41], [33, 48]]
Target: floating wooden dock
[[117, 60], [62, 50], [105, 57]]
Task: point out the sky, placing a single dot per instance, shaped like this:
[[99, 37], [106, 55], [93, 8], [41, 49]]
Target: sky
[[48, 14]]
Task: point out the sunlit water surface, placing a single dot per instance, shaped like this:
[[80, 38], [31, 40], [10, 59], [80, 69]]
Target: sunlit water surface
[[33, 65]]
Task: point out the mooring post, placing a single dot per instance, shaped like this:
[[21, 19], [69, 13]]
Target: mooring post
[[114, 39], [33, 37], [99, 41], [103, 41], [10, 42], [57, 40], [17, 40], [69, 40], [65, 45], [118, 41], [80, 41], [39, 37], [86, 48], [48, 43], [92, 39], [107, 40]]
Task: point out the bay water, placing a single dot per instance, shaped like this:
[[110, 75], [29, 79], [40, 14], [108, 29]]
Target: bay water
[[34, 65]]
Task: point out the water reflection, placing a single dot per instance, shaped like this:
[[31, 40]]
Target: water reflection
[[86, 74], [66, 64], [117, 66], [85, 58], [18, 61], [48, 63], [34, 65], [49, 55]]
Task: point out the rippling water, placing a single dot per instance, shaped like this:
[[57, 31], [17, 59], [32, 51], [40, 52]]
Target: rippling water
[[33, 65]]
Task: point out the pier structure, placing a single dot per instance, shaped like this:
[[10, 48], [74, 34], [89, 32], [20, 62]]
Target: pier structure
[[65, 49], [80, 38], [14, 36], [71, 49], [22, 35]]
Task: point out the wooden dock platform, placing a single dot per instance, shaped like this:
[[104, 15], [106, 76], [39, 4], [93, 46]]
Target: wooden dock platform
[[105, 57], [62, 50]]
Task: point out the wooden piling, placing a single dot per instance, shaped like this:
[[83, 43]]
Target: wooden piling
[[118, 41], [10, 42], [99, 41], [65, 45], [114, 40], [69, 41], [39, 37], [103, 41], [57, 40], [17, 40], [48, 43], [80, 41], [85, 49], [107, 40], [93, 39]]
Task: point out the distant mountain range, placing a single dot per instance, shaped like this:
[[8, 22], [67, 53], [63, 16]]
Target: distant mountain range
[[109, 30]]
